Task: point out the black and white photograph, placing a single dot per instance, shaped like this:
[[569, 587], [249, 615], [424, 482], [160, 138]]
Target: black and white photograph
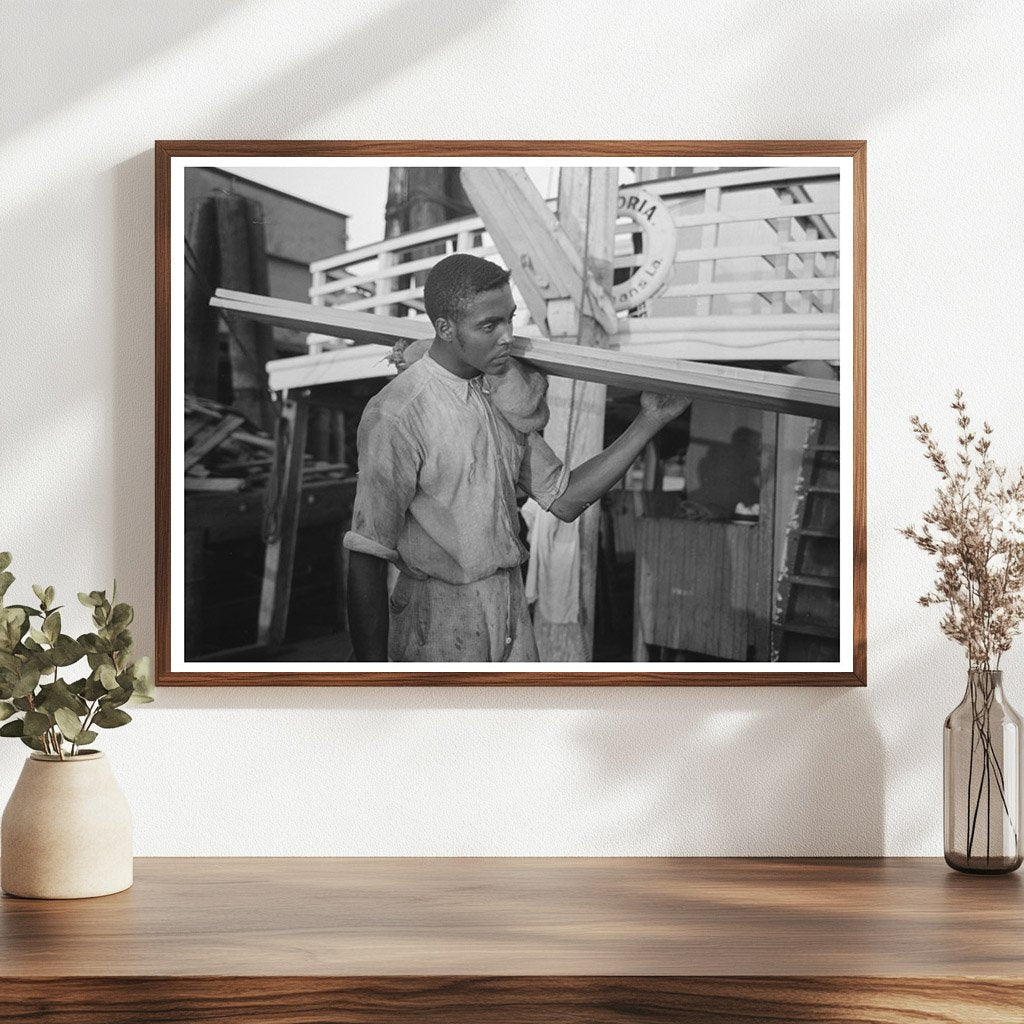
[[576, 418]]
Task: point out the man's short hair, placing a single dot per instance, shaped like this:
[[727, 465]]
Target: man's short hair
[[454, 282]]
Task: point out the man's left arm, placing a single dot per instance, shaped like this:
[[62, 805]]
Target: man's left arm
[[597, 475]]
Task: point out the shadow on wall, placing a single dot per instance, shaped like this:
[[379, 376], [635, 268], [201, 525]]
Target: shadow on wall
[[398, 37], [857, 37], [71, 30], [712, 772]]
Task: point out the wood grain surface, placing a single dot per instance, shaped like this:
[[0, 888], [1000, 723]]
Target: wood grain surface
[[523, 939]]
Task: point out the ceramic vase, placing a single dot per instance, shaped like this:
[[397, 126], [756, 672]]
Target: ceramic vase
[[66, 831]]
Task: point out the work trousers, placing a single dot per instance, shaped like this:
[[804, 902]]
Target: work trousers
[[485, 621]]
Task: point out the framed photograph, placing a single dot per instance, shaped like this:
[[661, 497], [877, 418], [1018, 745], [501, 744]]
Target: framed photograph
[[492, 413]]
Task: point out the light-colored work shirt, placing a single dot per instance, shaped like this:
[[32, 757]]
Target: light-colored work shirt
[[439, 473]]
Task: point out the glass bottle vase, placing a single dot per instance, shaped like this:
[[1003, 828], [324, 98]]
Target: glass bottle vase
[[981, 773]]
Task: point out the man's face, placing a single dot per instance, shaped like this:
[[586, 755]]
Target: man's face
[[481, 338]]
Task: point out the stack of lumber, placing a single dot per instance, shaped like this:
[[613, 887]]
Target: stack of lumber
[[226, 453]]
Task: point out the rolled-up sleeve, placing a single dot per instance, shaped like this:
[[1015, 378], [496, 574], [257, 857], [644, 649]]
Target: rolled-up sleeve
[[541, 475], [388, 468]]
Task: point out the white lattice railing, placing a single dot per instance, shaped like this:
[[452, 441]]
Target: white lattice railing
[[755, 275]]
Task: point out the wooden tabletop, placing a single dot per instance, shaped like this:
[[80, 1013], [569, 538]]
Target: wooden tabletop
[[508, 918], [326, 916]]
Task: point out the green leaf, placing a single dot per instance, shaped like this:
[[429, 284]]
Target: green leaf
[[13, 624], [86, 736], [10, 662], [107, 676], [51, 626], [15, 728], [59, 695], [40, 592], [69, 724], [50, 595], [5, 559], [67, 651], [27, 681], [142, 679], [109, 718], [115, 698], [31, 741], [94, 644], [6, 710], [122, 616], [38, 635], [22, 703], [94, 689], [36, 723], [89, 600], [29, 611], [6, 579]]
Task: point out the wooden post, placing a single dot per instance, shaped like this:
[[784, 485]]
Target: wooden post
[[586, 212], [280, 553], [764, 572]]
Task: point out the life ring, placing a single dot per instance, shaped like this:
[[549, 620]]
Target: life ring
[[647, 211]]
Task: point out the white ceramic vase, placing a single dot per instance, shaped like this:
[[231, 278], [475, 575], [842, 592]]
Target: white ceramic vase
[[66, 831]]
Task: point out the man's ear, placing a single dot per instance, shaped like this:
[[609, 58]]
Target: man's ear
[[443, 329]]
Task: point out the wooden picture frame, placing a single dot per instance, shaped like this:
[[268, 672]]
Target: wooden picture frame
[[818, 250]]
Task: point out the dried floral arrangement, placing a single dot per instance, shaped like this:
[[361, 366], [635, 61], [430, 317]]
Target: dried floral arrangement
[[975, 529], [47, 713]]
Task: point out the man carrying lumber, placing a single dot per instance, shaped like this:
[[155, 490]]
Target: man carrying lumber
[[444, 449]]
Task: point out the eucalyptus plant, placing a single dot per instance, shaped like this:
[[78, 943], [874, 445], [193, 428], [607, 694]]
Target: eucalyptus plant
[[46, 712]]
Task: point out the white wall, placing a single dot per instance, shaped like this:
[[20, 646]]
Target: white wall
[[936, 88]]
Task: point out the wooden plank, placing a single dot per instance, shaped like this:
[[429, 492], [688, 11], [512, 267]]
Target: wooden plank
[[734, 179], [386, 299], [411, 240], [330, 287], [544, 261], [808, 271], [765, 249], [385, 285], [367, 327], [778, 392], [280, 551], [693, 220], [763, 572], [728, 322], [360, 362], [709, 239], [783, 228], [586, 213], [208, 440], [223, 484], [758, 285], [753, 388], [779, 346]]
